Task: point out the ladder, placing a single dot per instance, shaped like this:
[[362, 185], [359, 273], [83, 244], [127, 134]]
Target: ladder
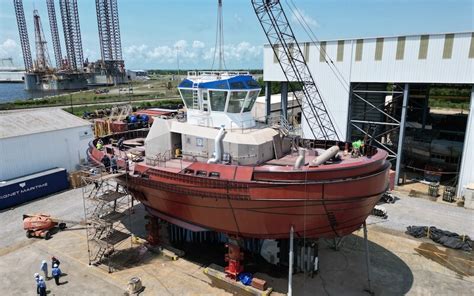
[[195, 96]]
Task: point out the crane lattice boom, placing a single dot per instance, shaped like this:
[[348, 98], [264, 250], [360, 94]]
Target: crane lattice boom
[[286, 48]]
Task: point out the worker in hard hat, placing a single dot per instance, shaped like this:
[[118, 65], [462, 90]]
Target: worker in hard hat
[[55, 260], [44, 268], [56, 272], [37, 277], [41, 286]]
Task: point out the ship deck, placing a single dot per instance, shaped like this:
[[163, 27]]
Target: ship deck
[[135, 151]]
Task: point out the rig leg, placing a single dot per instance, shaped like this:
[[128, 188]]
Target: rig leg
[[234, 259], [367, 260]]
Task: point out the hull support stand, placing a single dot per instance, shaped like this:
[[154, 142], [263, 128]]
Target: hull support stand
[[290, 264], [234, 258], [367, 260]]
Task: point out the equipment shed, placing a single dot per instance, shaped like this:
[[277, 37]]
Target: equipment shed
[[38, 140]]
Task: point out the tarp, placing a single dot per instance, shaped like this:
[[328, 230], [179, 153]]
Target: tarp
[[446, 238]]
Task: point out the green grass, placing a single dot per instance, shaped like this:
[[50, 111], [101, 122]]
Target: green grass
[[79, 111]]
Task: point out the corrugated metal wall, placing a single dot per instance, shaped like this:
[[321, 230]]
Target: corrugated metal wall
[[61, 148], [435, 58], [412, 68]]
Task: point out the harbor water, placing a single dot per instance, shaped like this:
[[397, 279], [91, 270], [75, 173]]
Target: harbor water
[[10, 92]]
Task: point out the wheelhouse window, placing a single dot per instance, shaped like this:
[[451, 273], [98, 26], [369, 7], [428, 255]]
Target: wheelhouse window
[[248, 105], [218, 99], [236, 101], [187, 96]]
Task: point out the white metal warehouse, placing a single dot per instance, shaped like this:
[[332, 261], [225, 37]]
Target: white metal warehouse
[[346, 70], [38, 140]]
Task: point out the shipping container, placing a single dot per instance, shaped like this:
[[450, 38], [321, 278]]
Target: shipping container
[[20, 190]]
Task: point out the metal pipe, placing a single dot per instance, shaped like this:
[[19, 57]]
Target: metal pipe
[[367, 259], [300, 161], [326, 155], [218, 147], [401, 134], [290, 264]]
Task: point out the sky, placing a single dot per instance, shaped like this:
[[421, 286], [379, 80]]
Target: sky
[[155, 33]]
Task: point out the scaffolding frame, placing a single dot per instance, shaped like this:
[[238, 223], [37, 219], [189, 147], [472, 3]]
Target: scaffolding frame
[[380, 122], [107, 213]]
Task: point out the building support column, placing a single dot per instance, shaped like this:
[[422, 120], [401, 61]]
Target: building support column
[[401, 134], [466, 174], [425, 107], [349, 117], [268, 99], [284, 99]]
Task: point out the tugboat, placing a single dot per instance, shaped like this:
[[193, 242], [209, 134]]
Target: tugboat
[[217, 168]]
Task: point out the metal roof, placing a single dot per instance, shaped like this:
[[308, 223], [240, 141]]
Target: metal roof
[[26, 122]]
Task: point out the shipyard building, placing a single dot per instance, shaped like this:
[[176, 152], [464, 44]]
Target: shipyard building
[[383, 89], [39, 140]]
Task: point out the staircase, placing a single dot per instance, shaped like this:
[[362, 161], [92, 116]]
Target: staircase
[[195, 96]]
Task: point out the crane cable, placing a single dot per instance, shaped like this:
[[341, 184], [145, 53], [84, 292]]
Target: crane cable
[[316, 41]]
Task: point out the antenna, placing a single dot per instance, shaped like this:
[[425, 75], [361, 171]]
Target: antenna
[[219, 46]]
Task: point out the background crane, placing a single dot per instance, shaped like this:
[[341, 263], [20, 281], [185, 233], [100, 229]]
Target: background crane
[[292, 61]]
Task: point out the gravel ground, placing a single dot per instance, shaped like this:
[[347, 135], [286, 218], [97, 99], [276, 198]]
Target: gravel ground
[[407, 211]]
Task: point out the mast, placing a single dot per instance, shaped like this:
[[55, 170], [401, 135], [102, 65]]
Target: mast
[[42, 57], [219, 46]]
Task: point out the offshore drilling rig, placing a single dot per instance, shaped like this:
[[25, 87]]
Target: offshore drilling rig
[[110, 69], [71, 72]]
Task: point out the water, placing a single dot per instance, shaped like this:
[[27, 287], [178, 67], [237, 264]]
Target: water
[[10, 92]]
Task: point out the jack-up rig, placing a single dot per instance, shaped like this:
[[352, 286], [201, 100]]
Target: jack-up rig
[[71, 72]]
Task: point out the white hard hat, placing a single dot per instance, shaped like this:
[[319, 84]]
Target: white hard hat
[[55, 265], [41, 278], [37, 275], [43, 262]]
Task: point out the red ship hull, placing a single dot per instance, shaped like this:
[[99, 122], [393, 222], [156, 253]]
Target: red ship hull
[[264, 202]]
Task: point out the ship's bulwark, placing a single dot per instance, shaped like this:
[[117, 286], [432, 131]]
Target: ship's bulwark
[[264, 209]]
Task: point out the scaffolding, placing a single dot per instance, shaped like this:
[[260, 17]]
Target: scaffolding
[[107, 211]]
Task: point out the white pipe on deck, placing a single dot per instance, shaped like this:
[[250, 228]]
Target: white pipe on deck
[[326, 155], [300, 161], [218, 147]]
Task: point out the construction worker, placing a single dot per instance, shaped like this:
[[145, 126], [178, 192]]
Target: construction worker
[[113, 164], [106, 162], [100, 144], [56, 273], [120, 143], [41, 286], [44, 268], [55, 260], [37, 277]]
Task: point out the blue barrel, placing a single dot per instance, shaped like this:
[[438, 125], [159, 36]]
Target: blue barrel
[[144, 117], [132, 119], [20, 190]]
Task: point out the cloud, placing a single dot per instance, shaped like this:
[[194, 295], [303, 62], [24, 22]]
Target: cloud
[[299, 15], [238, 18], [9, 48], [198, 44], [195, 54]]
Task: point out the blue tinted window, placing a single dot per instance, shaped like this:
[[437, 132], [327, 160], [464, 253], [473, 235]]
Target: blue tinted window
[[237, 85], [253, 84]]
